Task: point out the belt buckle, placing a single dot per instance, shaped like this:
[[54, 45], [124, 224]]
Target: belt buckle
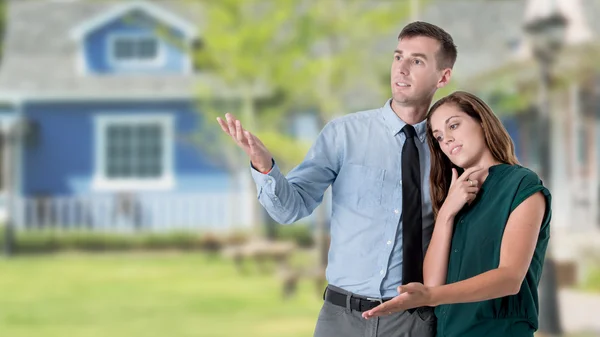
[[375, 300]]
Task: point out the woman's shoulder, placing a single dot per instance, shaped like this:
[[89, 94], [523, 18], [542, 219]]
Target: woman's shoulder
[[524, 182], [518, 174]]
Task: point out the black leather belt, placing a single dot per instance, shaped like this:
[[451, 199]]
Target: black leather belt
[[357, 303]]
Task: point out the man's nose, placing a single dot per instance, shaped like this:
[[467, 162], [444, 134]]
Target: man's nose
[[403, 68]]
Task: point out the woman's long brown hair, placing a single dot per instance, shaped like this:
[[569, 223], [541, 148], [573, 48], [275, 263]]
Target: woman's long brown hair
[[496, 137]]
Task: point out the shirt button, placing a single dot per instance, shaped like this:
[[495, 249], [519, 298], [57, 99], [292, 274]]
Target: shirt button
[[400, 182], [462, 221], [456, 250], [381, 272], [389, 242], [396, 211]]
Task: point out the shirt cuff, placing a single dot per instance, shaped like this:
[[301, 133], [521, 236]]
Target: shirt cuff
[[264, 178], [272, 165]]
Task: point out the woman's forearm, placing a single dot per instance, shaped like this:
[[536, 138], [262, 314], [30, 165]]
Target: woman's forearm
[[495, 283], [435, 265]]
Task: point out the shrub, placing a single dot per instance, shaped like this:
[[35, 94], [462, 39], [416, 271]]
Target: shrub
[[301, 234], [47, 241]]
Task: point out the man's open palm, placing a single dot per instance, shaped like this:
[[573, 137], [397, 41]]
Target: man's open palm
[[260, 157]]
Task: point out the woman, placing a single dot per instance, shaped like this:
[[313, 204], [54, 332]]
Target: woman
[[484, 262]]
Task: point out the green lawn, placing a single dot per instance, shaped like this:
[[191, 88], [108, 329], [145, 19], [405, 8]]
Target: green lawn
[[132, 295], [159, 294]]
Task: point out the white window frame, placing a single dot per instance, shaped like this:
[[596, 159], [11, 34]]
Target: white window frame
[[102, 182], [157, 61]]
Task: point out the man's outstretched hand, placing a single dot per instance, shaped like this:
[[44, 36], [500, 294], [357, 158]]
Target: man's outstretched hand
[[260, 157]]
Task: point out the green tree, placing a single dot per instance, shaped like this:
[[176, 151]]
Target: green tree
[[285, 56], [340, 55]]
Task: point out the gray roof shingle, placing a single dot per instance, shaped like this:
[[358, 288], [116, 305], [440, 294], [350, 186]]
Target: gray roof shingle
[[484, 31], [489, 32], [40, 57]]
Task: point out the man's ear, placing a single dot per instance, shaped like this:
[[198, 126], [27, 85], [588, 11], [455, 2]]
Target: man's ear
[[446, 75]]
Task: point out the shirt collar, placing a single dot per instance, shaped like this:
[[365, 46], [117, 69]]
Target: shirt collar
[[395, 124]]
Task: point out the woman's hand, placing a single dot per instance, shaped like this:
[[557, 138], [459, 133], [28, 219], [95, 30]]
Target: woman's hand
[[462, 191], [412, 295]]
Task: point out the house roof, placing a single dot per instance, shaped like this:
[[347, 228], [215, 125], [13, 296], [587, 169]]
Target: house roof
[[40, 56], [489, 36], [485, 32], [488, 33], [119, 10]]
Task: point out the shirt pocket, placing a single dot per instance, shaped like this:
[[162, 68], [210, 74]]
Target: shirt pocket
[[362, 185]]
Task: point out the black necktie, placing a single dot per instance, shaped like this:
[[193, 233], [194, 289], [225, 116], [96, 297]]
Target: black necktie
[[412, 245]]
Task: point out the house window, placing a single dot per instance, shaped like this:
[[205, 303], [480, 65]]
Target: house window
[[134, 152], [134, 49]]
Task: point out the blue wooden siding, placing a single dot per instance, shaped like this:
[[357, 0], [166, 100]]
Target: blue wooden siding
[[63, 158], [512, 126]]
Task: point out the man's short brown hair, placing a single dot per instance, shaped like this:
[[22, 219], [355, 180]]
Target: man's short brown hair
[[446, 56]]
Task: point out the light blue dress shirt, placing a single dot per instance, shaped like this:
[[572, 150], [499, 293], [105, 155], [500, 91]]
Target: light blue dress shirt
[[360, 156]]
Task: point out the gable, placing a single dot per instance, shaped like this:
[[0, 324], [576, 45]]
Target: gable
[[140, 11], [41, 57], [134, 43]]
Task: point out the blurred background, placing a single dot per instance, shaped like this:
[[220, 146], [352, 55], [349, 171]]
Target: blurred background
[[126, 212]]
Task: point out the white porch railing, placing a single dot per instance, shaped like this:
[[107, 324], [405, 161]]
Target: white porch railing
[[213, 211]]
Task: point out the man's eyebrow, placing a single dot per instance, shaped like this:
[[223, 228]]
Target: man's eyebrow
[[398, 51], [420, 55]]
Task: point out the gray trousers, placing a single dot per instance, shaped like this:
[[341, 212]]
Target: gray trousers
[[336, 321]]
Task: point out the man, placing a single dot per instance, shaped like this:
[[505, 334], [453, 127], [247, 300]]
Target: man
[[377, 162]]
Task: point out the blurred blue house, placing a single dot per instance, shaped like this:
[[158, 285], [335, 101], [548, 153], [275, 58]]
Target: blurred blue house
[[98, 111]]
